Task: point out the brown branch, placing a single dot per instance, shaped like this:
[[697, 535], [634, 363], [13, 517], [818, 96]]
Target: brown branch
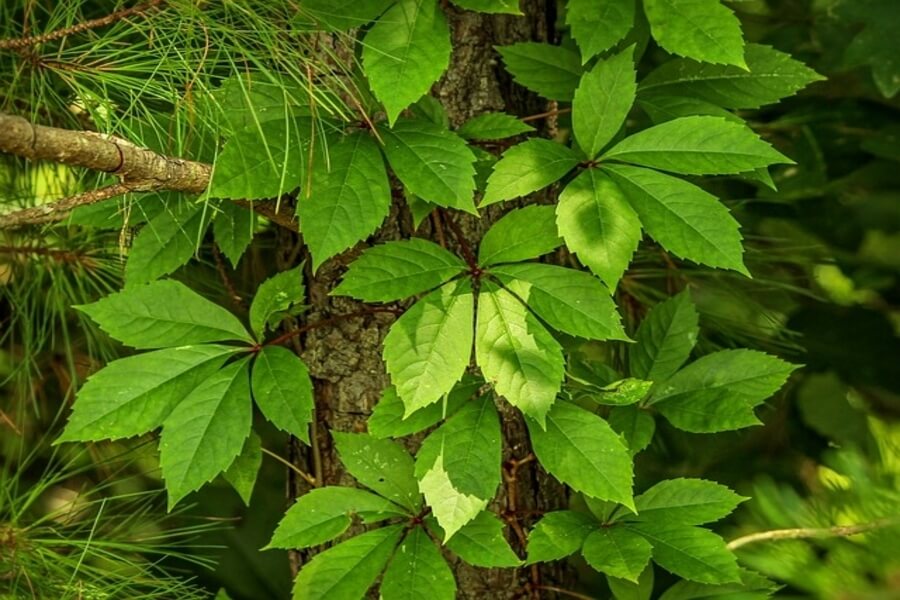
[[550, 113], [139, 170], [812, 532], [16, 44]]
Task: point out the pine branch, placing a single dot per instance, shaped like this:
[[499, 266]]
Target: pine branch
[[139, 169], [811, 532]]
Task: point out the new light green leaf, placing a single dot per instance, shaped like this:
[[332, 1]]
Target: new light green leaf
[[482, 543], [348, 570], [598, 225], [693, 553], [134, 395], [164, 314], [686, 501], [770, 76], [387, 418], [704, 30], [558, 534], [340, 15], [233, 228], [451, 507], [526, 168], [348, 199], [581, 450], [405, 52], [242, 472], [427, 350], [324, 513], [549, 70], [432, 162], [166, 242], [398, 270], [570, 301], [283, 390], [509, 7], [206, 431], [521, 234], [274, 296], [380, 465], [263, 161], [665, 338], [719, 391], [603, 100], [698, 145], [618, 552], [686, 220], [516, 354], [493, 126], [471, 445], [598, 26], [418, 571]]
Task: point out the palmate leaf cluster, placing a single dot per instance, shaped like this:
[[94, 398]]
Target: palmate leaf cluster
[[483, 326]]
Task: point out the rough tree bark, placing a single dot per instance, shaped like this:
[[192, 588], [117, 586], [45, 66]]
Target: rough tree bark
[[345, 360]]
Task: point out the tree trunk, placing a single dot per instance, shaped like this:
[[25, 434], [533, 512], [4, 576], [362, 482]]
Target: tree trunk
[[345, 359]]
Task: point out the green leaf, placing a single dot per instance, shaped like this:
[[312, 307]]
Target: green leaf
[[427, 350], [324, 513], [603, 100], [283, 390], [509, 7], [526, 168], [693, 553], [665, 338], [571, 301], [719, 391], [493, 126], [387, 418], [340, 15], [166, 242], [686, 501], [701, 29], [164, 314], [471, 445], [451, 507], [348, 570], [686, 220], [418, 571], [434, 163], [598, 225], [348, 199], [558, 534], [398, 270], [516, 354], [597, 27], [381, 465], [234, 227], [771, 76], [753, 586], [520, 234], [667, 108], [134, 395], [876, 45], [637, 426], [405, 52], [274, 296], [699, 145], [263, 161], [581, 450], [617, 551], [250, 97], [551, 71], [622, 589], [242, 472], [206, 431], [623, 392], [481, 542]]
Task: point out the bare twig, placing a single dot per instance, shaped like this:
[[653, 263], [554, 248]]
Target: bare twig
[[303, 474], [140, 9], [812, 532]]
